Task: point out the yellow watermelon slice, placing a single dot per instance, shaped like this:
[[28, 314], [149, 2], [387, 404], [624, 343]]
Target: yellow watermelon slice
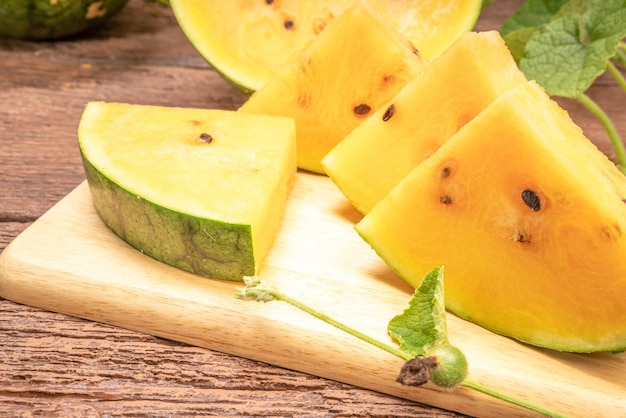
[[529, 219], [423, 115], [249, 41], [201, 190], [345, 74]]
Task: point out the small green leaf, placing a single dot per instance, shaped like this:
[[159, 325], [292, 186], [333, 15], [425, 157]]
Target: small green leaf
[[422, 326], [257, 289], [566, 55]]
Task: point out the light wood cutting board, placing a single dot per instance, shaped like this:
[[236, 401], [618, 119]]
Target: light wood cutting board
[[69, 262]]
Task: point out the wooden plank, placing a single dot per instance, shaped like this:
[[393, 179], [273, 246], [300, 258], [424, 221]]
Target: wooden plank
[[69, 262], [44, 118]]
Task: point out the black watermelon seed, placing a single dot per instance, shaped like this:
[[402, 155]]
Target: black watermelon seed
[[531, 199], [206, 138], [362, 109], [389, 113]]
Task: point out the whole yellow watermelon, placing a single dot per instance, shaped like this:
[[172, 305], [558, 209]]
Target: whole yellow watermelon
[[53, 19]]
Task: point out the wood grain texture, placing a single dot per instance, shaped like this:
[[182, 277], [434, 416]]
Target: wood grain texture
[[57, 365], [140, 56], [80, 368]]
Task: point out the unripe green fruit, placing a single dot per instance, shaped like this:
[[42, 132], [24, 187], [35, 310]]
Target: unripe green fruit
[[451, 367]]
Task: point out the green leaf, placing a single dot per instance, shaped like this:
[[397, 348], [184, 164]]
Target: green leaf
[[574, 7], [516, 41], [422, 326], [533, 13], [257, 289], [520, 26], [566, 55]]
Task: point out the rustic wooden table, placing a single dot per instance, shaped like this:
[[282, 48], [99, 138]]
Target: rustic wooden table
[[58, 365]]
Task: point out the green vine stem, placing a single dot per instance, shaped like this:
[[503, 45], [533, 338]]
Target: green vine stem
[[615, 72], [262, 291], [604, 119], [471, 384], [343, 327]]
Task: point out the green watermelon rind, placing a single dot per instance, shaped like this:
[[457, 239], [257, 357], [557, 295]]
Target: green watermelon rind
[[202, 246], [46, 20]]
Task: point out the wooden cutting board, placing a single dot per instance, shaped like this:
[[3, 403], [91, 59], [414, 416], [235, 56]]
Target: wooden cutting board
[[69, 262]]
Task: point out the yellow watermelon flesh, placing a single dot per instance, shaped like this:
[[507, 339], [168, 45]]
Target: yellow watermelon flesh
[[401, 135], [355, 66], [529, 219], [248, 40]]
